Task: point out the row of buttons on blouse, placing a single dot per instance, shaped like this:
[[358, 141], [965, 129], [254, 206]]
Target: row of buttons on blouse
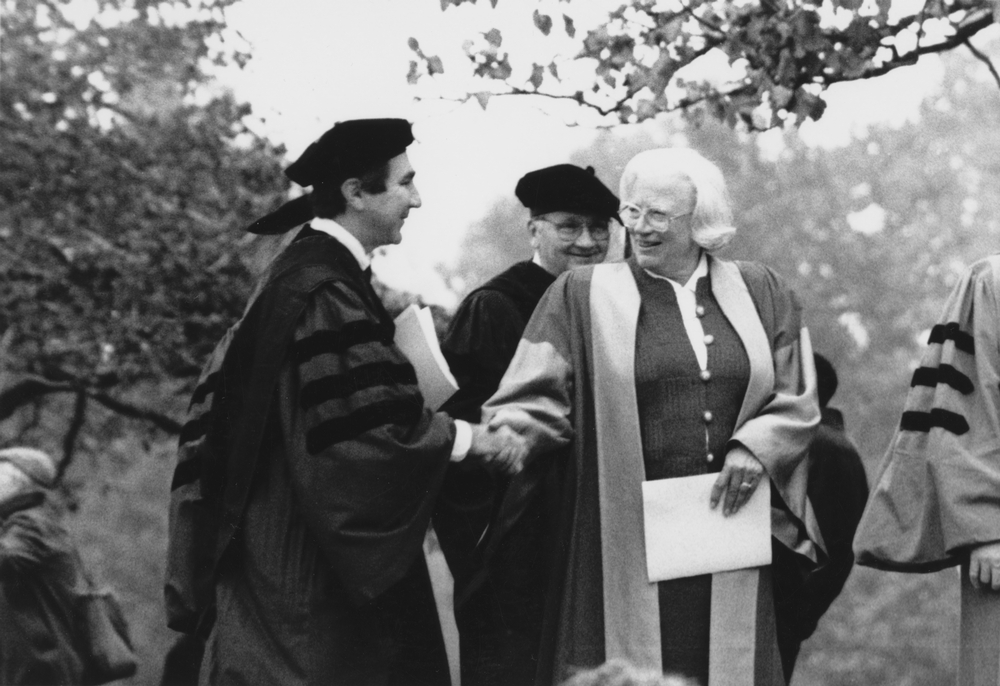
[[709, 339], [706, 374]]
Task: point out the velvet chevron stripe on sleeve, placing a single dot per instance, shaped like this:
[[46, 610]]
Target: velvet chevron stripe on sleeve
[[366, 376], [942, 374]]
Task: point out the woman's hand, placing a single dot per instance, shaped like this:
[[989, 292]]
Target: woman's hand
[[500, 448], [984, 566], [738, 479]]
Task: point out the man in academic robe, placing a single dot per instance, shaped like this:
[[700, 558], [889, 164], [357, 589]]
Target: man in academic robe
[[838, 491], [569, 226], [309, 467], [936, 500]]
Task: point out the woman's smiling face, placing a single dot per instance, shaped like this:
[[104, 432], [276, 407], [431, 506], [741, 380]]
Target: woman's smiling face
[[662, 250]]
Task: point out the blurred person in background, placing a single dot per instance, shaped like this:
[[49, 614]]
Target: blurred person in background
[[838, 491], [499, 617], [54, 627], [674, 363]]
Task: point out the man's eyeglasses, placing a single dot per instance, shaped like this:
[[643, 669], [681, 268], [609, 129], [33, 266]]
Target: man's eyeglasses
[[570, 230], [657, 219]]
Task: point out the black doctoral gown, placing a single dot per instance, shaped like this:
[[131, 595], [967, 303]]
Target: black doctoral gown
[[310, 443], [498, 615]]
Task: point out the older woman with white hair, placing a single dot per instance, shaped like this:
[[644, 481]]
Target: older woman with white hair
[[670, 364]]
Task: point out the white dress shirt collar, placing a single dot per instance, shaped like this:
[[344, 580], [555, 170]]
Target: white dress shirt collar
[[687, 302], [347, 239], [692, 282]]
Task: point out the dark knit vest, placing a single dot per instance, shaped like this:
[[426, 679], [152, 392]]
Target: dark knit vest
[[686, 419]]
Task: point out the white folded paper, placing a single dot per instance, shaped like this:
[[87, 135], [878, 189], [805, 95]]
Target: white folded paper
[[685, 537], [416, 337]]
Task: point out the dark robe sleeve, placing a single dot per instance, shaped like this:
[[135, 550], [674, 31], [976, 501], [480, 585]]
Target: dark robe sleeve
[[479, 345], [838, 490], [366, 458]]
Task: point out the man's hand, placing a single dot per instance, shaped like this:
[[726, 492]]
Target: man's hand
[[984, 566], [499, 448], [738, 479]]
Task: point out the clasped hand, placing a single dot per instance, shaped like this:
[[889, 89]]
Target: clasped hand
[[500, 448], [738, 479]]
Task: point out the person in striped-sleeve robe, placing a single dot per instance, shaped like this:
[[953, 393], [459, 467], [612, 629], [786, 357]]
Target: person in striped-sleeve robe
[[937, 493], [935, 502], [310, 466]]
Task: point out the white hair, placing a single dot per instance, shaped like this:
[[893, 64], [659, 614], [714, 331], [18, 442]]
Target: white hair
[[712, 226]]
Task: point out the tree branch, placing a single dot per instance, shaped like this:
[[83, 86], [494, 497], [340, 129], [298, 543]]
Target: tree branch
[[34, 420], [28, 390], [689, 10], [985, 59], [69, 440], [515, 90], [126, 409], [962, 34], [34, 387]]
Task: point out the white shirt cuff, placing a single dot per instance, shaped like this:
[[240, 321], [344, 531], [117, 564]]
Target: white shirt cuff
[[463, 441]]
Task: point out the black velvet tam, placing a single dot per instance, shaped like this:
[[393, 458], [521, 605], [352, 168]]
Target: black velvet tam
[[350, 148], [566, 188]]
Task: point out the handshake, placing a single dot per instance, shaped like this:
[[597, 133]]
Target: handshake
[[499, 448]]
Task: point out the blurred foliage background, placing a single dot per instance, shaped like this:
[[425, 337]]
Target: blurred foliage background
[[127, 175]]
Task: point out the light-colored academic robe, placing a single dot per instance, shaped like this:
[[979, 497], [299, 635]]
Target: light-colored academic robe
[[938, 488], [572, 381]]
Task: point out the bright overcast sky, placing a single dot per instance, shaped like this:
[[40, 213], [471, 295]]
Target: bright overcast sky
[[315, 62]]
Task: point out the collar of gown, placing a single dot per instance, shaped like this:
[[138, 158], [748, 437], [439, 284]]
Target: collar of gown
[[335, 230]]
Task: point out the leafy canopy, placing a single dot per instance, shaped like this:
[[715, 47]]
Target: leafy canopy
[[124, 184], [771, 59], [126, 178]]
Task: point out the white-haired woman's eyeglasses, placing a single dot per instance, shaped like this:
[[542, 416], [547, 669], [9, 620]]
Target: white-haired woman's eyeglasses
[[655, 218]]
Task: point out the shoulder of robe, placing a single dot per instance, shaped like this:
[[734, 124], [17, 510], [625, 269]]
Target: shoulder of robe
[[987, 272], [759, 277], [777, 304], [580, 278], [484, 303]]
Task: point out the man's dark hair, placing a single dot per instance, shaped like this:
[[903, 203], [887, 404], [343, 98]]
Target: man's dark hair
[[327, 200], [826, 379]]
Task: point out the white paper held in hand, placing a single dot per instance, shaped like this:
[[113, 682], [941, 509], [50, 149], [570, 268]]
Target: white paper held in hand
[[685, 537], [416, 337]]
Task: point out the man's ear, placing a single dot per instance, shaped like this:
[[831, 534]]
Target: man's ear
[[533, 233], [353, 194]]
